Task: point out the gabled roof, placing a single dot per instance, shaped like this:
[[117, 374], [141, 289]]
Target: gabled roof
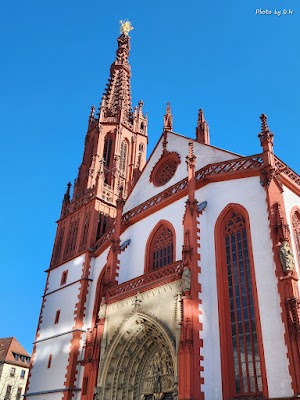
[[9, 347], [172, 142]]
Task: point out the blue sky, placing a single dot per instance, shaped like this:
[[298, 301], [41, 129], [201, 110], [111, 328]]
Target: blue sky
[[55, 59]]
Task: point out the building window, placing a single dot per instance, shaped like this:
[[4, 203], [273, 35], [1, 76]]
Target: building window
[[64, 276], [12, 372], [86, 224], [161, 248], [49, 361], [85, 385], [58, 246], [239, 340], [7, 393], [123, 156], [165, 169], [107, 150], [296, 231], [72, 236], [102, 225], [57, 315], [22, 374], [19, 393]]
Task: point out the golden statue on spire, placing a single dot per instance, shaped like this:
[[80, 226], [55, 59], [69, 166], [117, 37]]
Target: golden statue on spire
[[125, 27]]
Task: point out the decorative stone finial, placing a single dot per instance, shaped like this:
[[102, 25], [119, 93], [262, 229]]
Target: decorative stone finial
[[202, 130], [168, 119], [125, 27], [265, 135], [264, 123], [66, 199], [191, 158], [200, 116], [92, 113]]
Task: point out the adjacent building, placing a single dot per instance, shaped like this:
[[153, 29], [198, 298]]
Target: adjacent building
[[14, 367], [175, 278]]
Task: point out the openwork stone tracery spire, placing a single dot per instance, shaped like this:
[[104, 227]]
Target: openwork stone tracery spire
[[116, 101]]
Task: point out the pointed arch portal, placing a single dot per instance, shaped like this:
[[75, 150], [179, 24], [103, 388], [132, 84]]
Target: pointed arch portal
[[140, 364]]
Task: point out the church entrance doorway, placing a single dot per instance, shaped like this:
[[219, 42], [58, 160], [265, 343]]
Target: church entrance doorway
[[140, 364]]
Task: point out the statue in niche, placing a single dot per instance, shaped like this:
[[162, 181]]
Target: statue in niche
[[186, 279], [165, 364], [102, 309], [286, 257]]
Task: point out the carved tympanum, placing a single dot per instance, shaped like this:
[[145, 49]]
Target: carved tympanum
[[139, 363]]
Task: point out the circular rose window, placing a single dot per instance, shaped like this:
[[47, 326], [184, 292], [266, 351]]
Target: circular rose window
[[165, 169]]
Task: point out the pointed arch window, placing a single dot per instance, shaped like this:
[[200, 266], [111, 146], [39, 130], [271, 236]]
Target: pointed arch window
[[241, 361], [161, 249], [107, 156], [296, 231], [123, 157]]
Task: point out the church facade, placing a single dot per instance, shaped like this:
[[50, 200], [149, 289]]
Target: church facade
[[175, 278]]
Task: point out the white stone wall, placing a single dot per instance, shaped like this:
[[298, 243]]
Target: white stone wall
[[248, 193], [55, 338], [44, 378], [132, 260], [144, 190]]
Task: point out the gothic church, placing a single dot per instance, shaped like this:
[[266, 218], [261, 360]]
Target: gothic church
[[171, 278]]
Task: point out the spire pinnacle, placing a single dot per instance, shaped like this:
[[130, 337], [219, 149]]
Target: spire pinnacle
[[265, 135], [116, 100], [266, 141], [168, 119], [92, 113], [66, 199], [202, 130]]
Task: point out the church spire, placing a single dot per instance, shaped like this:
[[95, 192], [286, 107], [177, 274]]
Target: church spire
[[116, 101]]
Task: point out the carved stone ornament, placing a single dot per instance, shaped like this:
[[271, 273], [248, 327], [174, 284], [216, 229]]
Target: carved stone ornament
[[165, 169], [186, 280], [102, 309], [286, 257], [139, 363]]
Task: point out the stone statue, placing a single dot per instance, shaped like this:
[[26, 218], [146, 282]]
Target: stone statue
[[136, 302], [186, 279], [286, 257], [102, 309], [125, 27]]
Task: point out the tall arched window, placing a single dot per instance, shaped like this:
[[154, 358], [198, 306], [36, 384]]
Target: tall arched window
[[240, 353], [161, 248], [123, 156], [296, 231], [107, 151]]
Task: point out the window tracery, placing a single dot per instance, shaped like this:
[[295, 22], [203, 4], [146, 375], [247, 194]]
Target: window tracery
[[107, 152], [123, 156], [165, 169], [161, 248], [296, 231], [241, 336]]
